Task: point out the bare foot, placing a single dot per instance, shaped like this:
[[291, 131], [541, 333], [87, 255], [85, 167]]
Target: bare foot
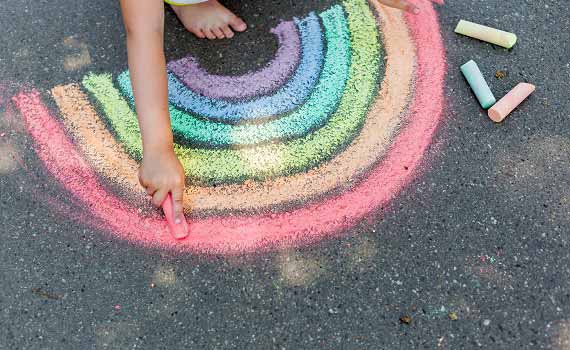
[[209, 19]]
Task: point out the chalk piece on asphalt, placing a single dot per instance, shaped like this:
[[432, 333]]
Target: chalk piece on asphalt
[[178, 231], [507, 104], [488, 34], [478, 84]]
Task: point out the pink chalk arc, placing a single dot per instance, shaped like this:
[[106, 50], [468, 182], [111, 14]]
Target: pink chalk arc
[[231, 235]]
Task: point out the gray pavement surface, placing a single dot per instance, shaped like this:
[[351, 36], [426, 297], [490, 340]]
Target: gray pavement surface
[[482, 234]]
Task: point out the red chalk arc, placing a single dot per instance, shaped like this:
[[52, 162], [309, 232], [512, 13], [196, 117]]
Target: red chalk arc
[[247, 233]]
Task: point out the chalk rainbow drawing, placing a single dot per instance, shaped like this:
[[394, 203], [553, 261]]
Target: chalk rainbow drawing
[[328, 132]]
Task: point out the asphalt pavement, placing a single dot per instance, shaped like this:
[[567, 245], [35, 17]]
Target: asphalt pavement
[[474, 253]]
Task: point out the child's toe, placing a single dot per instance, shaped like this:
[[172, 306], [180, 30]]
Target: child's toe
[[227, 32], [199, 33], [218, 33], [209, 34], [237, 24]]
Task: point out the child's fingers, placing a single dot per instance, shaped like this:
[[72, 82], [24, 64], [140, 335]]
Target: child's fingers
[[150, 190], [147, 186], [178, 204], [159, 196], [142, 181], [401, 4]]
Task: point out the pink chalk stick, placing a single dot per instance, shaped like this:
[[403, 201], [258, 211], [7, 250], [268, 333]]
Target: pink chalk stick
[[179, 231], [507, 104]]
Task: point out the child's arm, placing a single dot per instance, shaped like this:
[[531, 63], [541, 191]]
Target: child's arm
[[160, 172]]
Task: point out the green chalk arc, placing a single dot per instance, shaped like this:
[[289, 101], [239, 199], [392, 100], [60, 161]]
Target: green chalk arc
[[217, 166], [195, 131]]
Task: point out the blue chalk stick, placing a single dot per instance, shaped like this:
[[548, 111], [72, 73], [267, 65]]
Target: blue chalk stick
[[478, 84]]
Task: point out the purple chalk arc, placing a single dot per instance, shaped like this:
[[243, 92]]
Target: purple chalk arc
[[261, 82]]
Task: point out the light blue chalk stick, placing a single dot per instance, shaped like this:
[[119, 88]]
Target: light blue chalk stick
[[478, 84]]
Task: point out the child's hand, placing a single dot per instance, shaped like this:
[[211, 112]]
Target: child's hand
[[161, 173]]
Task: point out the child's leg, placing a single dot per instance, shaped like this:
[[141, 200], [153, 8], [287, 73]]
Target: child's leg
[[207, 19]]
